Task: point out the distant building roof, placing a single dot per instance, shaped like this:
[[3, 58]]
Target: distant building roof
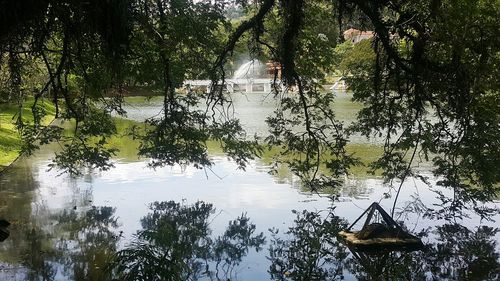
[[356, 35]]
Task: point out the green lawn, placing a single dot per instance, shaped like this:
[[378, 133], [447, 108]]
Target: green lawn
[[126, 145], [10, 141]]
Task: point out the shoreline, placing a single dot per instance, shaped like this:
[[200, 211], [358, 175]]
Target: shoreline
[[5, 168]]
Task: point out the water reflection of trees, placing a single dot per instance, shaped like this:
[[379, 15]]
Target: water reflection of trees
[[90, 244], [386, 265], [16, 197], [36, 256], [312, 252], [457, 253], [464, 254], [176, 244], [78, 248]]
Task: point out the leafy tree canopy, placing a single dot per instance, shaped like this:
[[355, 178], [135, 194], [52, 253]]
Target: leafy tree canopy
[[428, 81]]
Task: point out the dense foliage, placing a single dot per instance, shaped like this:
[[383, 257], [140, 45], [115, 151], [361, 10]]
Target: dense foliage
[[428, 81]]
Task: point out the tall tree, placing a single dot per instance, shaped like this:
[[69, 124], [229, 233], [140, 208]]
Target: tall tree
[[430, 89]]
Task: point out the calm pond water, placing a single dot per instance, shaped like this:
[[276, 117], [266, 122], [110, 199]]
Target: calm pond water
[[66, 228]]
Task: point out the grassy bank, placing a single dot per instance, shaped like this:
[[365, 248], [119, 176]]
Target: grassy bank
[[10, 139]]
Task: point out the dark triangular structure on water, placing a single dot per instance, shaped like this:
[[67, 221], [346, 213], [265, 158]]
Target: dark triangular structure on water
[[374, 234]]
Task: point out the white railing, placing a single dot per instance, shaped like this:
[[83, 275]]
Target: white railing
[[230, 84]]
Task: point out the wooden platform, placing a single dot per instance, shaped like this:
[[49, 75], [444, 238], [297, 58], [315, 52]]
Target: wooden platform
[[376, 235], [403, 243]]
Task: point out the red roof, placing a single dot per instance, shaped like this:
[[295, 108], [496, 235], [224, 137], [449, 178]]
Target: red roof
[[351, 32]]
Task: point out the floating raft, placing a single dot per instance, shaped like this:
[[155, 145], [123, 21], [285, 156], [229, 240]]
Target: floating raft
[[389, 242], [379, 235]]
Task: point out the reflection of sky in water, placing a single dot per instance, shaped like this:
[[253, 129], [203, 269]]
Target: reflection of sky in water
[[130, 187], [267, 201]]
